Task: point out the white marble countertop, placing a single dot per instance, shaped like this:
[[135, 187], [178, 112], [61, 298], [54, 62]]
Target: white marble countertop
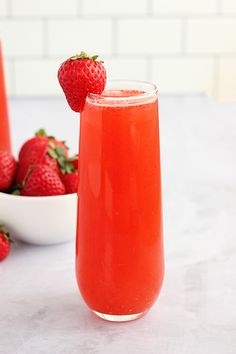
[[41, 310]]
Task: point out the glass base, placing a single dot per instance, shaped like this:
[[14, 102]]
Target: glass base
[[119, 318]]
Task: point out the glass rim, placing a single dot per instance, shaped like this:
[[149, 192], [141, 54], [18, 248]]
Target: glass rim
[[151, 91]]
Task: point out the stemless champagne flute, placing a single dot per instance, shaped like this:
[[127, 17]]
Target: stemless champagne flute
[[119, 248]]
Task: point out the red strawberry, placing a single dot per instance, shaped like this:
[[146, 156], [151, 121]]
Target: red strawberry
[[41, 180], [70, 181], [7, 170], [43, 152], [80, 75], [4, 243], [38, 154], [40, 137], [74, 161]]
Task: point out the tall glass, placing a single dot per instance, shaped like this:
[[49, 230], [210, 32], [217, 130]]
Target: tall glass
[[119, 250], [4, 123]]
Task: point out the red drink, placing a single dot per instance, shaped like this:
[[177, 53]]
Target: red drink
[[119, 234], [4, 124]]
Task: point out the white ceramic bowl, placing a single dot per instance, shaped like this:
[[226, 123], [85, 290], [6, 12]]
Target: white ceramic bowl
[[39, 220]]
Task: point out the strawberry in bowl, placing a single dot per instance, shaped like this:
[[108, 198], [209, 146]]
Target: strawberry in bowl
[[8, 167], [38, 193], [5, 243]]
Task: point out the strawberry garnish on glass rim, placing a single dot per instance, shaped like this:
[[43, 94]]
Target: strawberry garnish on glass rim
[[80, 75]]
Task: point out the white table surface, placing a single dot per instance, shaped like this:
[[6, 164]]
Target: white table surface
[[41, 310]]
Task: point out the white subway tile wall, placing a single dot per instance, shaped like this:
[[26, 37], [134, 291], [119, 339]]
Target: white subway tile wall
[[184, 46], [131, 68], [229, 7], [3, 8], [22, 39], [184, 75], [109, 7], [211, 36], [185, 7], [149, 36], [47, 8], [43, 73], [66, 37]]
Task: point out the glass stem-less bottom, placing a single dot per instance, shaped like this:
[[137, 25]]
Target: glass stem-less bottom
[[119, 318]]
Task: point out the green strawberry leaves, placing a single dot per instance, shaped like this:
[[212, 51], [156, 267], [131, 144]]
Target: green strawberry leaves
[[41, 132], [56, 152], [52, 153], [5, 233], [66, 166], [60, 152], [15, 189], [84, 55]]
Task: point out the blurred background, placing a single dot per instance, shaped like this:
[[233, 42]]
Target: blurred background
[[185, 46]]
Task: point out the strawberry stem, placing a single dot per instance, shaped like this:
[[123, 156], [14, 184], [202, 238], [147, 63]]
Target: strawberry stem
[[5, 233], [41, 132], [15, 189], [57, 153], [84, 55]]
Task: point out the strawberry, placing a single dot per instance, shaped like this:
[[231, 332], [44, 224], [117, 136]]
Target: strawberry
[[48, 152], [69, 174], [41, 180], [74, 161], [38, 154], [70, 181], [80, 75], [40, 137], [7, 170], [4, 243]]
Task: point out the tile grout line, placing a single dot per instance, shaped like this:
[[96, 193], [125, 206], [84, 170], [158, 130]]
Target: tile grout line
[[184, 35], [149, 8], [157, 17], [79, 11], [114, 37], [45, 37], [218, 7], [134, 56], [9, 9]]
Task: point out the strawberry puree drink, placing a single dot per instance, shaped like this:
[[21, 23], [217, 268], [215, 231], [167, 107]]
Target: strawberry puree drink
[[4, 124], [119, 251]]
